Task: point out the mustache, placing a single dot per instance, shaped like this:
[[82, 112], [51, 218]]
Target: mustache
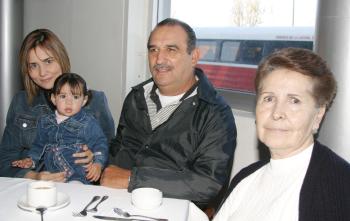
[[161, 66]]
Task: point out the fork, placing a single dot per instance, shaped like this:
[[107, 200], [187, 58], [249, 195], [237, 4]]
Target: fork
[[84, 211], [94, 210]]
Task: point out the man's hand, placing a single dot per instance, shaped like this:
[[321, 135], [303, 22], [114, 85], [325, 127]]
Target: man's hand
[[115, 177], [56, 177]]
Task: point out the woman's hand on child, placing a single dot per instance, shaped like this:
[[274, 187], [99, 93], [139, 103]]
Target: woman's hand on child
[[25, 163], [84, 157], [93, 172]]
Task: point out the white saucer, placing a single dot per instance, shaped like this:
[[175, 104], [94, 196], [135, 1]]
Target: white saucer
[[62, 201]]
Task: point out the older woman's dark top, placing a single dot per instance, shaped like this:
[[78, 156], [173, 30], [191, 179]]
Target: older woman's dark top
[[325, 192]]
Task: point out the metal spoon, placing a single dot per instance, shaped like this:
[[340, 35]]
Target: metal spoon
[[41, 210], [128, 215]]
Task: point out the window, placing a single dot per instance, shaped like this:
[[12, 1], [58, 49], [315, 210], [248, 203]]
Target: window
[[272, 46], [251, 52], [232, 46], [208, 49], [229, 51]]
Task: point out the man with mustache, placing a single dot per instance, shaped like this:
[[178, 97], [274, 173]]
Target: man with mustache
[[175, 132]]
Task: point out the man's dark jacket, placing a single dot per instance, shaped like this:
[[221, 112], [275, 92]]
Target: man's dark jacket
[[325, 192], [189, 156]]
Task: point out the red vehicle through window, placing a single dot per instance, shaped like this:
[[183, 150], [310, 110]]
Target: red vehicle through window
[[229, 56]]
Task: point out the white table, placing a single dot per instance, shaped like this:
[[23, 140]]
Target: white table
[[12, 189]]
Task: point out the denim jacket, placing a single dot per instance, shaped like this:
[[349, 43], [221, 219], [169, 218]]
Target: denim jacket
[[56, 143], [22, 123]]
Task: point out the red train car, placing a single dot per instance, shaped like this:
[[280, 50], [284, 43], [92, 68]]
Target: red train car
[[229, 56]]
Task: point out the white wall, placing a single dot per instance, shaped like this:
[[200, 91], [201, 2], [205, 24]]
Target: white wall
[[246, 149], [140, 22], [332, 43]]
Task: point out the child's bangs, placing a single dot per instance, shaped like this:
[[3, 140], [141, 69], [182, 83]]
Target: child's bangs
[[76, 88]]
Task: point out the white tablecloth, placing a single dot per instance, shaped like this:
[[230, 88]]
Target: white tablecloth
[[12, 189]]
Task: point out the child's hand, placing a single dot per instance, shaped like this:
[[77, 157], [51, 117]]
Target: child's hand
[[25, 163], [93, 172]]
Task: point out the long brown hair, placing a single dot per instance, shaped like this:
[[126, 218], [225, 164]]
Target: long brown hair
[[48, 41]]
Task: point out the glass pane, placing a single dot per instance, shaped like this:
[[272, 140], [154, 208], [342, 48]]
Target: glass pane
[[272, 46], [252, 52], [208, 50], [230, 51]]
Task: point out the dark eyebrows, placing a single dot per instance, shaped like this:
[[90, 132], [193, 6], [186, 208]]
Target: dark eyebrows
[[167, 46], [47, 59], [173, 46], [261, 93], [43, 60], [293, 95], [150, 46]]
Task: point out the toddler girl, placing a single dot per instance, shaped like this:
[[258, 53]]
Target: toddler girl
[[63, 133]]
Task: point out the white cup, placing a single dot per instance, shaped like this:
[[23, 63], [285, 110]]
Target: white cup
[[41, 194], [146, 198]]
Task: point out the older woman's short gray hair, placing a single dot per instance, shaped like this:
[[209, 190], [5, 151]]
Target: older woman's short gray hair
[[305, 62]]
